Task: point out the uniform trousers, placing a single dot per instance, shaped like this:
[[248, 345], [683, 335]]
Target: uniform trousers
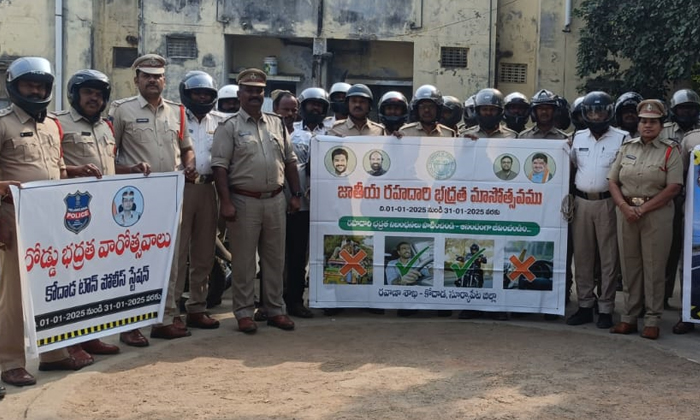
[[594, 229], [12, 354], [297, 248], [198, 240], [171, 307], [676, 250], [644, 247], [259, 225]]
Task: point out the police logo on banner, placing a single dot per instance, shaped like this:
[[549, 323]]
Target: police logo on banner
[[78, 214]]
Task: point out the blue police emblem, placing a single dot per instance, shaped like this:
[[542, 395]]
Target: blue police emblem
[[78, 214]]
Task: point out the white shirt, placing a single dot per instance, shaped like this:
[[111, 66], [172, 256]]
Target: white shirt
[[592, 158], [202, 134]]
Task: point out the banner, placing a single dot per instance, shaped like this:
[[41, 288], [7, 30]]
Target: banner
[[691, 246], [438, 223], [95, 255]]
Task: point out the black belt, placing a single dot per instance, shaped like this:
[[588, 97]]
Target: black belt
[[259, 195], [637, 201], [593, 196]]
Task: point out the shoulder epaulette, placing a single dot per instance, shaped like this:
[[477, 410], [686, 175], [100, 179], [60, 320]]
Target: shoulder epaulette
[[669, 142], [339, 122], [168, 101], [118, 102], [61, 112], [5, 111]]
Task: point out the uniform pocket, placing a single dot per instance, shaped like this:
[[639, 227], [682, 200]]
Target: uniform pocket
[[110, 146], [142, 133], [26, 150]]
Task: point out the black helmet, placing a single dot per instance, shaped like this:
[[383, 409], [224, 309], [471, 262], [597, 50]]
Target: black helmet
[[516, 121], [626, 100], [562, 115], [577, 114], [543, 97], [36, 69], [393, 121], [314, 94], [685, 97], [456, 111], [489, 97], [197, 79], [427, 93], [470, 112], [339, 106], [598, 101], [474, 248], [361, 91], [92, 79]]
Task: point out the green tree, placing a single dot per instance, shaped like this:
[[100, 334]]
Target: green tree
[[659, 38]]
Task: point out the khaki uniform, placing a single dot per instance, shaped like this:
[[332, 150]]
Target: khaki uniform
[[200, 213], [84, 142], [347, 128], [255, 154], [417, 129], [536, 133], [154, 136], [674, 132], [643, 171], [502, 132], [29, 151]]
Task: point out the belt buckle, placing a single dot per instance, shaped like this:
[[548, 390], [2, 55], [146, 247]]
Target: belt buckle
[[266, 195], [593, 196], [637, 201]]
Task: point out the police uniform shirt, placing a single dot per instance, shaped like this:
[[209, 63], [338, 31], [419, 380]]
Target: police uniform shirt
[[144, 134], [347, 128], [502, 132], [301, 142], [85, 142], [674, 132], [254, 152], [535, 133], [416, 129], [593, 158], [202, 136], [29, 150], [642, 170]]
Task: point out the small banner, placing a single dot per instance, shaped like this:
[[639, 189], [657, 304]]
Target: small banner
[[691, 246]]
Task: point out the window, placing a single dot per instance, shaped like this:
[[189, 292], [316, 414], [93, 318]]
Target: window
[[181, 46], [453, 57], [512, 73], [123, 57]]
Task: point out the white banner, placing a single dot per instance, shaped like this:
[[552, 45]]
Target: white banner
[[95, 255], [438, 223], [691, 246]]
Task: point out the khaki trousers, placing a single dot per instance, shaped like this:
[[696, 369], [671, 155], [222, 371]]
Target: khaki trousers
[[11, 317], [644, 248], [198, 240], [259, 225], [595, 226]]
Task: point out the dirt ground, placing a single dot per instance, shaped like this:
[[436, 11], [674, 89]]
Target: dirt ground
[[363, 366]]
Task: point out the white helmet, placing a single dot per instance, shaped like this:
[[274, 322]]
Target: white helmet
[[228, 92]]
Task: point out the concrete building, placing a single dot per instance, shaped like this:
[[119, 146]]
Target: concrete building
[[460, 47]]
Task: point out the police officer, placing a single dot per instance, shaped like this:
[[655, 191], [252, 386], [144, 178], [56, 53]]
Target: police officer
[[393, 111], [313, 107], [594, 226], [30, 144], [577, 115], [199, 207], [626, 112], [489, 115], [543, 108], [227, 99], [151, 135], [643, 180], [88, 148], [286, 105], [359, 101], [516, 111], [251, 157], [427, 106], [339, 106], [469, 115], [452, 113], [562, 115]]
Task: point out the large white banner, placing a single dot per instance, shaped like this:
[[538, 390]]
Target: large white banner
[[691, 246], [95, 255], [438, 223]]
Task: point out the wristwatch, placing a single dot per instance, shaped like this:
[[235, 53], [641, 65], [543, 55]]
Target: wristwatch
[[298, 194]]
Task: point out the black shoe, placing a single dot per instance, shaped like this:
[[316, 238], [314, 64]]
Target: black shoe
[[3, 391], [332, 311], [604, 321], [406, 312], [469, 314], [300, 311], [582, 316]]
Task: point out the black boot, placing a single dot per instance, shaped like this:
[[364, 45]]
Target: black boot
[[582, 316]]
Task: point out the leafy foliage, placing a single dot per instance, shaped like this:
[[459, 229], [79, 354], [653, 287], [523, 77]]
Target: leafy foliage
[[659, 38]]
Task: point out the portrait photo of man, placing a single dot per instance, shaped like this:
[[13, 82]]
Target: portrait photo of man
[[506, 169], [340, 162], [540, 172], [377, 163]]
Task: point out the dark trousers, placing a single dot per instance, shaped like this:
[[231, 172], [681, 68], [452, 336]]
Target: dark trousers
[[297, 245]]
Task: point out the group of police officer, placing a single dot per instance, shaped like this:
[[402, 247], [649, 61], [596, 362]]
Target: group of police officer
[[231, 171]]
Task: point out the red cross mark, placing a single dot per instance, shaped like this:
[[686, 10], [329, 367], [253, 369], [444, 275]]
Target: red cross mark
[[522, 268], [352, 262]]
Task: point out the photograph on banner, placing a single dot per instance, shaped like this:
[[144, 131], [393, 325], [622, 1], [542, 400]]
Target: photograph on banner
[[691, 252], [99, 262], [444, 223]]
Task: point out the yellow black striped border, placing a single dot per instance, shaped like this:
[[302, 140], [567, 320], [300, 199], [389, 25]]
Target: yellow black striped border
[[96, 328]]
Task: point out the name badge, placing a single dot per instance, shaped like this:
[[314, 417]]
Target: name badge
[[142, 120], [244, 133], [26, 134], [631, 157], [86, 133], [583, 149]]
